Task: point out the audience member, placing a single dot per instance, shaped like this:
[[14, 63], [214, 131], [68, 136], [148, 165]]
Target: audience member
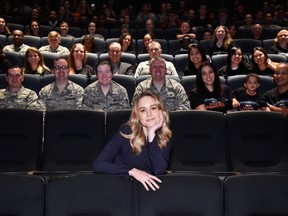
[[201, 19], [221, 42], [247, 97], [64, 30], [171, 91], [141, 148], [78, 61], [196, 57], [248, 22], [119, 67], [20, 9], [34, 63], [105, 94], [154, 49], [171, 21], [4, 29], [4, 62], [207, 35], [223, 18], [257, 32], [54, 46], [126, 41], [91, 30], [185, 42], [18, 43], [261, 63], [209, 93], [16, 95], [185, 30], [235, 64], [150, 28], [85, 11], [145, 14], [52, 20], [89, 44], [161, 15], [233, 31], [277, 98], [34, 29], [269, 22], [146, 40], [62, 93], [281, 43]]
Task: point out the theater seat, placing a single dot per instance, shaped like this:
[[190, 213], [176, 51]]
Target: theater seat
[[257, 141], [89, 194], [72, 139], [182, 195], [256, 194], [197, 147]]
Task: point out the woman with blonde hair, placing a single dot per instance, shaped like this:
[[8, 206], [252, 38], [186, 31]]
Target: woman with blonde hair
[[77, 60], [141, 148], [34, 62], [221, 41]]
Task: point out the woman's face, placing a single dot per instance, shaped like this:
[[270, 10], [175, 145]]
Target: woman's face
[[195, 56], [2, 23], [78, 52], [33, 57], [92, 28], [35, 27], [148, 112], [236, 57], [259, 57], [146, 40], [208, 75], [220, 33], [127, 41]]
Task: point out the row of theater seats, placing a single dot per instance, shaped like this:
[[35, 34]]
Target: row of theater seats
[[251, 141], [35, 82], [179, 195], [171, 46]]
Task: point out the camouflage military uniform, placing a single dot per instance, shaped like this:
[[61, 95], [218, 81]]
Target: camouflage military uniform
[[172, 93], [144, 69], [116, 98], [11, 48], [69, 98], [61, 50], [22, 99]]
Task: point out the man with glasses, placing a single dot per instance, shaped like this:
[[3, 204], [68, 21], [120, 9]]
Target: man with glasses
[[154, 49], [16, 95], [63, 93], [277, 98]]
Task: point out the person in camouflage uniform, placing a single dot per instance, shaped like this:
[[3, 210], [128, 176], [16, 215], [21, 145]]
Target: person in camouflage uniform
[[105, 94], [171, 92], [17, 43], [16, 95], [63, 93]]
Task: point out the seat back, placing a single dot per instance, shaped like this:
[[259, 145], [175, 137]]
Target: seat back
[[114, 120], [21, 195], [174, 46], [247, 45], [197, 147], [237, 81], [256, 194], [20, 140], [182, 195], [254, 146], [267, 44], [188, 82], [15, 58], [89, 194], [219, 60], [32, 41], [180, 63], [74, 146]]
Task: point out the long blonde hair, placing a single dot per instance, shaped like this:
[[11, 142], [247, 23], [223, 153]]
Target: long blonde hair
[[227, 40], [41, 64], [137, 137]]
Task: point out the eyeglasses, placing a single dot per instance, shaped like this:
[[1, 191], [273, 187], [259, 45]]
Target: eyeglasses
[[63, 67], [154, 49]]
